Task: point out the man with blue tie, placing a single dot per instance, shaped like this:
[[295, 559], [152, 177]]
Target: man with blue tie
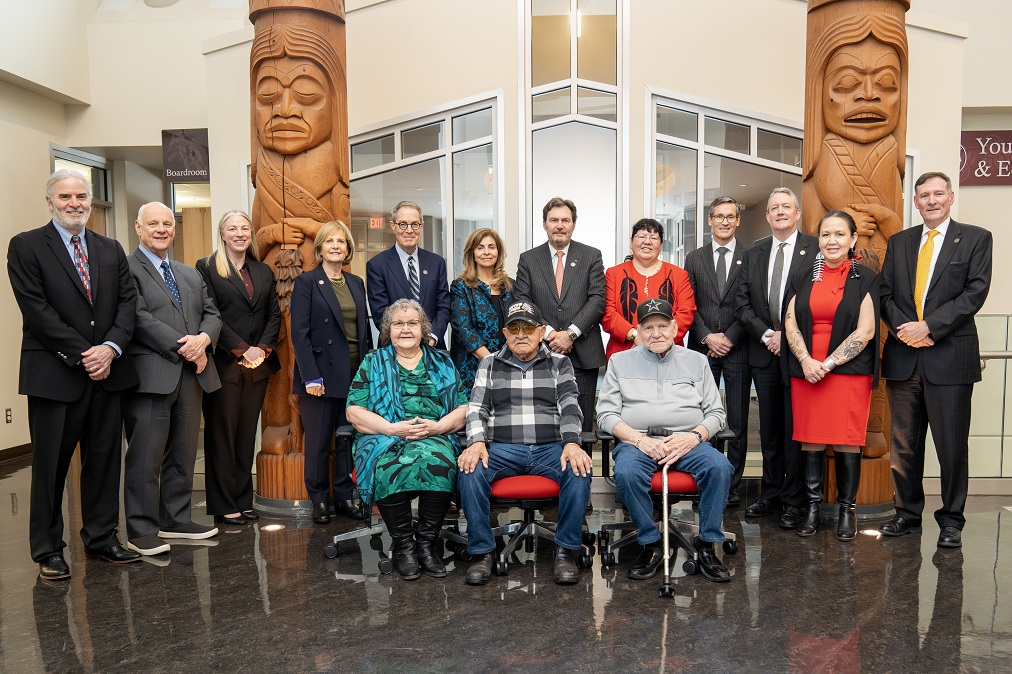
[[406, 271]]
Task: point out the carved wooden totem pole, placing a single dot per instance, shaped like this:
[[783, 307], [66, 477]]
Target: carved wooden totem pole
[[854, 156], [300, 171]]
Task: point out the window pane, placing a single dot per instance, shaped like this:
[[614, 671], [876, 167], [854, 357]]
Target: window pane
[[675, 207], [473, 196], [550, 29], [677, 123], [550, 105], [372, 153], [472, 125], [421, 140], [727, 135], [750, 185], [598, 104], [778, 147], [596, 35]]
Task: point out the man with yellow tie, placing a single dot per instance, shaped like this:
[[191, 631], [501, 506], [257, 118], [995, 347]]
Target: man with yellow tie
[[934, 280]]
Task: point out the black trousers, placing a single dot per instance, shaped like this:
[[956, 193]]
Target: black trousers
[[586, 382], [737, 379], [917, 405], [781, 453], [320, 418], [230, 430], [56, 428]]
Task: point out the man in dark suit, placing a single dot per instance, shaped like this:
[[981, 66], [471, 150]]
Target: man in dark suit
[[760, 307], [714, 274], [77, 305], [177, 325], [934, 280], [565, 279], [405, 270]]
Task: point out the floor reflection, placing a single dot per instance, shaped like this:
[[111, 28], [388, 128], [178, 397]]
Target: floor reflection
[[267, 600]]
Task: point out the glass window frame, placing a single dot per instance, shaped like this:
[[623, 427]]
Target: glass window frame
[[94, 161]]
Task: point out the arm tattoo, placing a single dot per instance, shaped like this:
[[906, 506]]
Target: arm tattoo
[[797, 345], [848, 349]]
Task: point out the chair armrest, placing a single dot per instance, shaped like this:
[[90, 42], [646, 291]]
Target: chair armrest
[[720, 440]]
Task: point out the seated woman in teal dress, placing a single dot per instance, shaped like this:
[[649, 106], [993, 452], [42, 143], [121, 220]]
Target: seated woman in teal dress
[[407, 404]]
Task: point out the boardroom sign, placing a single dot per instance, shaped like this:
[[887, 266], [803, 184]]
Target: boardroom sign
[[985, 158], [185, 158]]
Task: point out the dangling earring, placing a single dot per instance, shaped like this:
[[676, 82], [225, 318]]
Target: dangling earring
[[817, 267]]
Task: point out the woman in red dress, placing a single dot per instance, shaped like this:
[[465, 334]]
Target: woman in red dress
[[835, 310], [644, 277]]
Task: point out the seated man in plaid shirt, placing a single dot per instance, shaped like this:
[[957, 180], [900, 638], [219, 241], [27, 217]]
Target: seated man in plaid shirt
[[524, 419]]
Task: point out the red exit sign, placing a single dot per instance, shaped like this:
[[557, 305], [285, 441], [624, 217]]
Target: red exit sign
[[376, 223]]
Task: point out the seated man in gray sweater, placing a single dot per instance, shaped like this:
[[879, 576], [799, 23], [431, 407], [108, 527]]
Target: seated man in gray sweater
[[660, 402], [524, 418]]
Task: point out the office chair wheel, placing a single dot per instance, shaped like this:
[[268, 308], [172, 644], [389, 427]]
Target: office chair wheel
[[690, 567], [330, 552], [603, 539], [462, 555], [589, 539], [386, 566], [730, 547], [666, 591], [452, 546], [607, 559], [586, 561], [376, 542], [500, 568]]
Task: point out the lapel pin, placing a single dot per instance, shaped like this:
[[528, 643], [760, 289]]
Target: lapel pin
[[572, 264], [803, 252], [956, 240], [320, 282], [738, 262], [425, 271]]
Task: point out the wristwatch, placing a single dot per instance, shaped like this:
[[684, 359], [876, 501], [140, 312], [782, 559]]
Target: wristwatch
[[634, 334], [572, 334], [699, 436]]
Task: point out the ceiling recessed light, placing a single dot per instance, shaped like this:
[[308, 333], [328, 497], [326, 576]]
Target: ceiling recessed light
[[742, 185]]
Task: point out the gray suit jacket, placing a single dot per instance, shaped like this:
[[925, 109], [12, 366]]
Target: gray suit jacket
[[582, 302], [160, 322], [714, 310]]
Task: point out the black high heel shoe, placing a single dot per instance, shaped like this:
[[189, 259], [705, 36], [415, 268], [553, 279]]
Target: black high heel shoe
[[225, 519], [250, 515]]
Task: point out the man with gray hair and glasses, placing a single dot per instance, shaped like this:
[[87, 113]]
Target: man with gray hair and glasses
[[760, 308], [406, 271]]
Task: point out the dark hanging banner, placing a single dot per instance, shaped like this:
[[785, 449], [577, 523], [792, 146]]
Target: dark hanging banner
[[184, 156], [985, 158]]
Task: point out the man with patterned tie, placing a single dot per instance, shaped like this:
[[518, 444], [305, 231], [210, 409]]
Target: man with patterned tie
[[177, 326], [77, 302], [934, 280], [406, 271], [565, 279]]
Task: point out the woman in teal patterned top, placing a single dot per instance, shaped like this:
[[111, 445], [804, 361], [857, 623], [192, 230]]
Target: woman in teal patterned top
[[407, 403]]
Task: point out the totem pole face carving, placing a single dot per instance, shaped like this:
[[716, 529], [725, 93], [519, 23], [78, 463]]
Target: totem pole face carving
[[861, 92], [293, 105]]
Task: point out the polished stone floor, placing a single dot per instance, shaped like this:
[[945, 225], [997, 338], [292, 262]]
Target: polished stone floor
[[263, 600]]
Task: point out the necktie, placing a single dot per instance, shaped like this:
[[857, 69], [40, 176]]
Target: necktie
[[416, 290], [775, 299], [170, 281], [559, 269], [923, 269], [721, 270], [81, 262]]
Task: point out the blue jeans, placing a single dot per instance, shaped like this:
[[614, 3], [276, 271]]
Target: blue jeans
[[712, 471], [506, 460]]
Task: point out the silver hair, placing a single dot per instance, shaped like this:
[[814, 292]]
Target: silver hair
[[140, 211], [405, 204], [403, 303], [63, 174], [783, 190]]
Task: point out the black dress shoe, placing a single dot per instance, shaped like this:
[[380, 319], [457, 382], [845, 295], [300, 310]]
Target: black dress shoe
[[760, 508], [791, 518], [480, 570], [566, 571], [237, 520], [250, 515], [733, 500], [950, 537], [54, 568], [899, 526], [646, 564], [709, 564], [348, 509], [115, 554], [320, 514]]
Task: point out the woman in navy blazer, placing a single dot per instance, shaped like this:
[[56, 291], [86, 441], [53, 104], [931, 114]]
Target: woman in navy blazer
[[330, 335]]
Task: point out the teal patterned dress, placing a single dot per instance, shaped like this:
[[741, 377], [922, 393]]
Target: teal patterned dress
[[429, 464]]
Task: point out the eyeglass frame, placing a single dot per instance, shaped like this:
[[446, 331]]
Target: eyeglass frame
[[515, 329], [404, 226], [725, 218]]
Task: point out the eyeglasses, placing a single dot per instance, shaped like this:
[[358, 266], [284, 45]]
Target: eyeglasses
[[408, 225], [400, 325], [650, 238], [724, 218], [526, 327]]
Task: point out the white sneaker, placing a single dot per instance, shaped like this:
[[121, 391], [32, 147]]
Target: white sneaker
[[148, 545], [190, 530]]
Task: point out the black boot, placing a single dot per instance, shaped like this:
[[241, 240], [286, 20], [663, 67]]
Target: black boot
[[848, 478], [813, 468], [397, 517], [432, 508]]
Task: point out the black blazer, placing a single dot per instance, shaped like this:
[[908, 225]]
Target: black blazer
[[318, 337], [715, 311], [956, 292], [59, 323], [253, 321], [583, 296], [752, 306], [388, 283]]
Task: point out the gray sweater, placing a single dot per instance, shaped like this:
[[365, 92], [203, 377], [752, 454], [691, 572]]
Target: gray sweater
[[675, 390]]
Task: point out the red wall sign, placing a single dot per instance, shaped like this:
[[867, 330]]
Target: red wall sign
[[985, 158], [376, 223]]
